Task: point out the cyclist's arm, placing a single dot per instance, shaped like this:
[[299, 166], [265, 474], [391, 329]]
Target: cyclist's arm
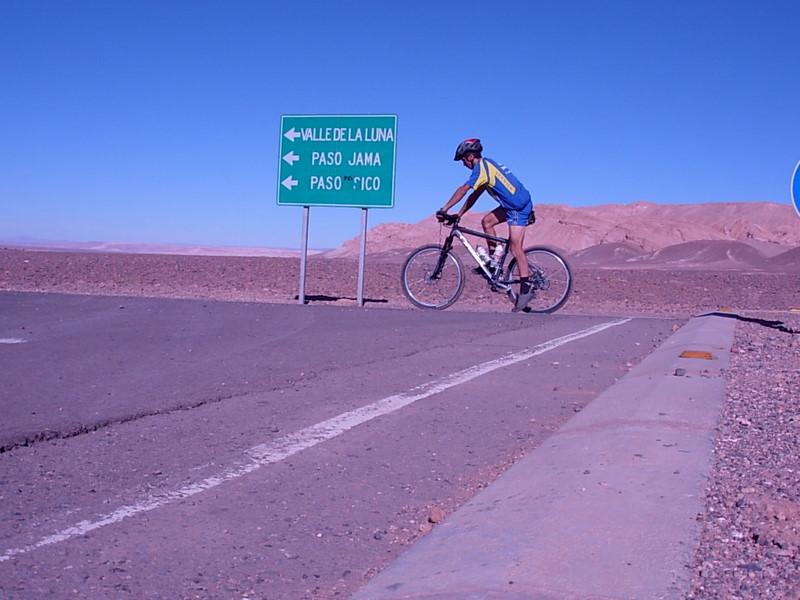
[[473, 198], [457, 197]]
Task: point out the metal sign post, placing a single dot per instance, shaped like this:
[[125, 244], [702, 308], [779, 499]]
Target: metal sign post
[[303, 256], [337, 160], [362, 255]]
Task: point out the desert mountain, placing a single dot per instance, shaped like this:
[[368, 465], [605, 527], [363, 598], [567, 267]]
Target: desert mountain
[[629, 229]]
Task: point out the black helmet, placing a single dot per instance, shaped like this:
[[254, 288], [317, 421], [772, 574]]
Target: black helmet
[[470, 145]]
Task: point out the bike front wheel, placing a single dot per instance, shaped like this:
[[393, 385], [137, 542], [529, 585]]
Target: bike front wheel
[[551, 279], [432, 278]]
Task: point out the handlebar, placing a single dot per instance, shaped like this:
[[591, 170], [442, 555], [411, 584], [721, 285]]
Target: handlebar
[[447, 218]]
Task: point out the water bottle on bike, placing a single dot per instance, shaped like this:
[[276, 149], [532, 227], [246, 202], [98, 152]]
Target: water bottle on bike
[[497, 255], [483, 254]]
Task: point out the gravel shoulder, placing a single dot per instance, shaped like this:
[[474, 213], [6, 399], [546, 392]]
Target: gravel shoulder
[[750, 546]]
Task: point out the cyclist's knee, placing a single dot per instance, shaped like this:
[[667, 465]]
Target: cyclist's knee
[[490, 220]]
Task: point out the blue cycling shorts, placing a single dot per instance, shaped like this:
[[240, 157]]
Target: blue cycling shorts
[[523, 217]]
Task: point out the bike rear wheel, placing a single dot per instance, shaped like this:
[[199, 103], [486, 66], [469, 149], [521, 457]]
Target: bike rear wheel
[[551, 279], [426, 283]]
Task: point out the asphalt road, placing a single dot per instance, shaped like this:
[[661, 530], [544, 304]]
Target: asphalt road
[[186, 449]]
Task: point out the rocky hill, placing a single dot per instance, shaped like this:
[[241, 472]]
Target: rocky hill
[[638, 228]]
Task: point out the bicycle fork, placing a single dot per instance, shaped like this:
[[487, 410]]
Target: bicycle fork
[[446, 247]]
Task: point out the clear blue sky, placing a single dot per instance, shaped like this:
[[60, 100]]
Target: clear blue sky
[[158, 121]]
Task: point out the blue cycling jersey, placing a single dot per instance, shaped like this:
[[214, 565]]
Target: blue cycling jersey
[[501, 184]]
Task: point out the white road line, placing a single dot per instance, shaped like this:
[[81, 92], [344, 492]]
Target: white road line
[[12, 341], [282, 448]]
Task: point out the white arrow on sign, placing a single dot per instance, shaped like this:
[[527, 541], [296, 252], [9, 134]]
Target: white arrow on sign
[[289, 183], [292, 135], [291, 157]]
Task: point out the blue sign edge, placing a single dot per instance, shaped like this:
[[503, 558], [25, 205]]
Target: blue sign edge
[[394, 165], [795, 183]]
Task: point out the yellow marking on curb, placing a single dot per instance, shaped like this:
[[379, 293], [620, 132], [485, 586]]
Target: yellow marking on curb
[[724, 310], [696, 354]]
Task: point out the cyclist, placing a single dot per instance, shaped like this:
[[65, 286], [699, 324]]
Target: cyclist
[[515, 207]]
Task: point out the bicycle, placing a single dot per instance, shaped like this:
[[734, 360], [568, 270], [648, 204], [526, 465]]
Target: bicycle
[[433, 275]]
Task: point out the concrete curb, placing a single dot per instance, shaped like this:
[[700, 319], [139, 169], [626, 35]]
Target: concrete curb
[[606, 508]]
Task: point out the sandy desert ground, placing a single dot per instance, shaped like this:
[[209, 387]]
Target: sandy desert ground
[[751, 541], [666, 287]]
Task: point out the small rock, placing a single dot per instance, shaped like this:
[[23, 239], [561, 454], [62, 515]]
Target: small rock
[[436, 515]]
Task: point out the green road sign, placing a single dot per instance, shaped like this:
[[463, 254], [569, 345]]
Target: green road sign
[[337, 160]]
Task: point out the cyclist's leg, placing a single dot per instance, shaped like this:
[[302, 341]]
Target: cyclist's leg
[[517, 222], [516, 242], [489, 221]]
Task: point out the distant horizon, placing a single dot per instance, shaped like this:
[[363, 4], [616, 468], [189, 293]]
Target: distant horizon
[[33, 240], [85, 245]]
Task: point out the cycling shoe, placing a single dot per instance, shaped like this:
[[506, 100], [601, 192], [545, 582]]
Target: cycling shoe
[[522, 301]]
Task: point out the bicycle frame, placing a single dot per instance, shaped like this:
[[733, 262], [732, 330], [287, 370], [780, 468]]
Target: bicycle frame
[[457, 231]]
